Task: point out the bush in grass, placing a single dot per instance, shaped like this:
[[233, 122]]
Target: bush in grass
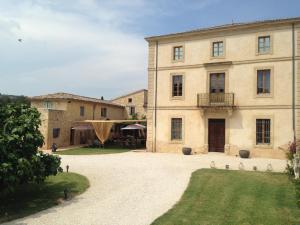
[[290, 169], [290, 156], [297, 187], [20, 138]]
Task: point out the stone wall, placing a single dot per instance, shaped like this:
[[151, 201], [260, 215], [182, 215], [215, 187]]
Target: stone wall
[[151, 84], [298, 84], [139, 101]]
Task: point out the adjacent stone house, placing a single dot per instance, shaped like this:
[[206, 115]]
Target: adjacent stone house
[[134, 102], [61, 114], [225, 88]]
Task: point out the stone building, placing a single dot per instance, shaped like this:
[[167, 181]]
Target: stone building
[[225, 88], [61, 114], [134, 102]]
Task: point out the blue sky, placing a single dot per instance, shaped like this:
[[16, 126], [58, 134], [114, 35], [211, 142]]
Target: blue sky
[[96, 48]]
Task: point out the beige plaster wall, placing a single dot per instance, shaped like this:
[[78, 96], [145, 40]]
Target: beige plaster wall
[[240, 131], [198, 48], [44, 124], [58, 105], [298, 85]]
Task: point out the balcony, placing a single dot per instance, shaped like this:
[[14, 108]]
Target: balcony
[[215, 100]]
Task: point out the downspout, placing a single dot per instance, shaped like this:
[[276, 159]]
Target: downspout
[[293, 80], [155, 100]]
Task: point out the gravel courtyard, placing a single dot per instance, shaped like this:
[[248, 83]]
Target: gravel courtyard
[[133, 188]]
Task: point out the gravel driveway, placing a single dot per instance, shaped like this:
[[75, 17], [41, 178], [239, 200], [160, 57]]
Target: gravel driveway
[[132, 188]]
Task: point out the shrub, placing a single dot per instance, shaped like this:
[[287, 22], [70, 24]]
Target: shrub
[[290, 156], [290, 169], [20, 138]]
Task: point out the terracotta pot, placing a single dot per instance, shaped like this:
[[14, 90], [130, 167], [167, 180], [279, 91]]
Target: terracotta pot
[[244, 153], [186, 151]]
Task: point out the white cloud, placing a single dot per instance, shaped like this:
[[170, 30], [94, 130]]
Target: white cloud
[[81, 46], [109, 54]]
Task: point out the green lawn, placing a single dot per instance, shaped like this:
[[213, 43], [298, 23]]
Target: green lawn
[[219, 197], [91, 151], [32, 198]]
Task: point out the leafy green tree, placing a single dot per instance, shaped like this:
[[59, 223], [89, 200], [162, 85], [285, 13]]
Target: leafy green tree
[[7, 99], [20, 138], [134, 116]]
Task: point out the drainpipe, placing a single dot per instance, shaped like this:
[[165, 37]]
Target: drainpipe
[[293, 80], [155, 100]]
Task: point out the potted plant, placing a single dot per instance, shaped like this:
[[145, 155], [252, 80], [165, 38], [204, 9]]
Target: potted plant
[[186, 150], [244, 153]]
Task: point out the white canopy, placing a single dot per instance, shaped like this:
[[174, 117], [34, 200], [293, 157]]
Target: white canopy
[[134, 127]]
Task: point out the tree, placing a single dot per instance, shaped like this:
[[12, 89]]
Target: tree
[[134, 116], [20, 138], [6, 99]]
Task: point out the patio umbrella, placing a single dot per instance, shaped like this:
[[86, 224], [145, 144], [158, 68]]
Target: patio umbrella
[[134, 127]]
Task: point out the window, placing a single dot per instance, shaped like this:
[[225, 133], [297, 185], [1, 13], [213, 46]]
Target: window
[[129, 100], [56, 132], [131, 110], [176, 129], [48, 105], [263, 130], [178, 53], [103, 112], [264, 44], [218, 49], [263, 82], [81, 110], [176, 85]]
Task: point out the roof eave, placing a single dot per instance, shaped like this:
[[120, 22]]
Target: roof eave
[[80, 100], [222, 29], [131, 93]]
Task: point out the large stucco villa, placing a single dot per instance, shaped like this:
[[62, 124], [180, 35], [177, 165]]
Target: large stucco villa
[[225, 88]]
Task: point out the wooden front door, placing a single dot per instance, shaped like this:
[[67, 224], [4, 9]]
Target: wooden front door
[[216, 135]]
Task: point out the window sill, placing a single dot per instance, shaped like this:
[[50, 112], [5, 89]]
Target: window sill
[[177, 60], [176, 142], [264, 96], [267, 146], [177, 98], [264, 53], [217, 57]]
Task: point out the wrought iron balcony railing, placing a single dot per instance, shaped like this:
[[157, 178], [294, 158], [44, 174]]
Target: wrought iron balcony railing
[[215, 100]]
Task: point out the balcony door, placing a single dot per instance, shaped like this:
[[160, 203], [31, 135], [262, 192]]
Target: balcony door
[[217, 87], [217, 83]]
